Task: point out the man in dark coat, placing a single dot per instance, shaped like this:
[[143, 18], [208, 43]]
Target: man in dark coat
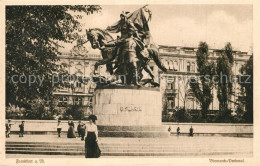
[[21, 126], [82, 131], [191, 131], [178, 130], [79, 128]]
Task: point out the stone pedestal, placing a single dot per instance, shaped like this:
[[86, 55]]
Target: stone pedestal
[[128, 106]]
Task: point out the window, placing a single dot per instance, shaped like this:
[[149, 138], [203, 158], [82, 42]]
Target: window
[[86, 64], [188, 66], [170, 65], [78, 100], [181, 64], [78, 84], [78, 87], [171, 103], [189, 51], [193, 67], [91, 90], [166, 64], [175, 65], [63, 101], [217, 53], [90, 99], [170, 85], [238, 68]]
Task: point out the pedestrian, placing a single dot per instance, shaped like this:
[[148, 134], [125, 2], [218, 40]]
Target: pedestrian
[[91, 141], [178, 130], [71, 132], [8, 126], [59, 128], [82, 131], [21, 126], [191, 131], [169, 129], [79, 128]]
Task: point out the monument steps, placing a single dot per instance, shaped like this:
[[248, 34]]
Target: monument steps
[[44, 152], [81, 150], [129, 149], [132, 153], [113, 145], [122, 148]]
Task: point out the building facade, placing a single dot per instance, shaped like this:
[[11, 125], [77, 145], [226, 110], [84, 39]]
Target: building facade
[[181, 65], [78, 93]]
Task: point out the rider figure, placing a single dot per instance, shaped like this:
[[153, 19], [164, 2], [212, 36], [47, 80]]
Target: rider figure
[[127, 55], [127, 44]]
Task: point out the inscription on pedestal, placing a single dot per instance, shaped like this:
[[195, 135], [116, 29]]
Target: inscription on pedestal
[[131, 108]]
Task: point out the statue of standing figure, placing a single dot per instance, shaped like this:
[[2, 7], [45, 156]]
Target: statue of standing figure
[[128, 55]]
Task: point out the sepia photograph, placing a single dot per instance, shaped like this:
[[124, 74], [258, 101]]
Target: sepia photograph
[[128, 81]]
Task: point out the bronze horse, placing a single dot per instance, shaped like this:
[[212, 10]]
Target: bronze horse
[[99, 37]]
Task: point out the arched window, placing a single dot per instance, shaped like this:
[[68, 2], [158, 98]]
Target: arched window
[[171, 103]]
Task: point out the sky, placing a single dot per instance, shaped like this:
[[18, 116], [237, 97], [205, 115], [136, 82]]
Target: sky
[[187, 25]]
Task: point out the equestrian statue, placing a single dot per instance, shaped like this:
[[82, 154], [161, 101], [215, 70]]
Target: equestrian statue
[[127, 56]]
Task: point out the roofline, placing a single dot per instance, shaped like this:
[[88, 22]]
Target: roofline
[[187, 47]]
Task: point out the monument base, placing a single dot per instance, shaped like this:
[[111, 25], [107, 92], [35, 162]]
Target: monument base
[[133, 131], [129, 111], [128, 106]]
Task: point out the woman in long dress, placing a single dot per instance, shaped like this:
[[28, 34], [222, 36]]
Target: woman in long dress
[[91, 146], [71, 132]]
